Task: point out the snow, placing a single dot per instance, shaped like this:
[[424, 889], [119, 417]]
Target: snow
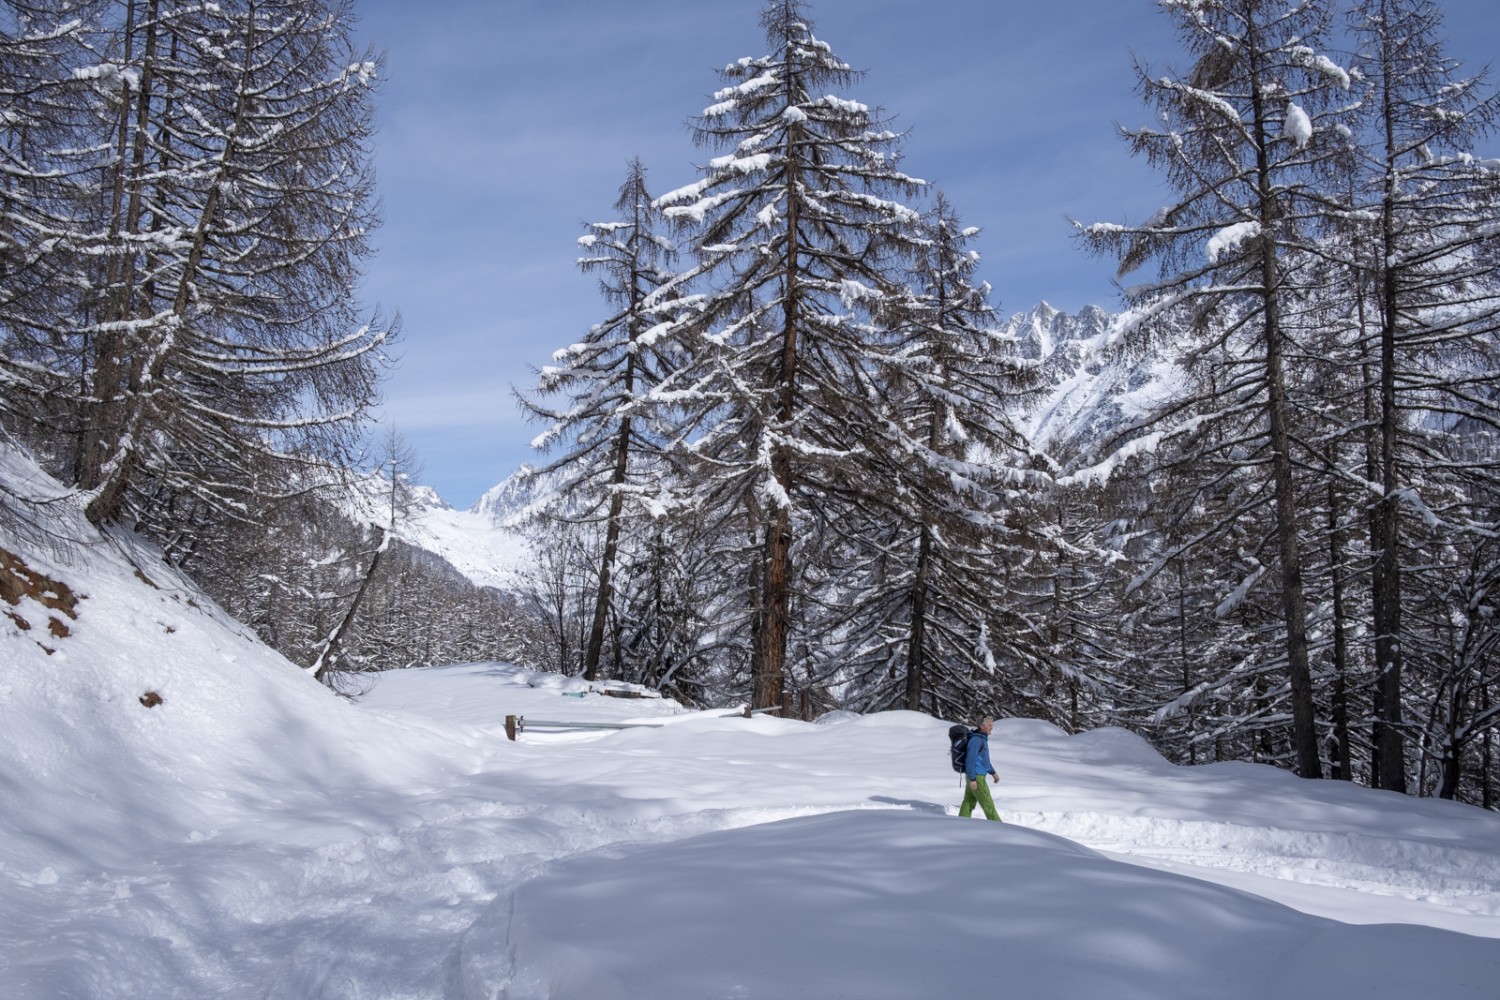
[[489, 554], [253, 836], [1208, 99], [841, 105], [1229, 239], [738, 166], [1322, 65], [111, 74], [485, 546], [1100, 473], [1298, 127]]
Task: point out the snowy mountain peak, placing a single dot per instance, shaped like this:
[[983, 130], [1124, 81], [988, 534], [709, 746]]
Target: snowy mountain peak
[[504, 500], [1043, 329], [1087, 392], [426, 498]]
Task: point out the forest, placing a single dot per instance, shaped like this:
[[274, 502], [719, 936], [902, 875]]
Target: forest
[[799, 459]]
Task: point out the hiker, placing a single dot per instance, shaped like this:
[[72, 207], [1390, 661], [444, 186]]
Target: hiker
[[977, 765]]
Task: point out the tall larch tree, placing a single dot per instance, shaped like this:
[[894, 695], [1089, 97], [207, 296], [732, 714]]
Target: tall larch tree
[[1431, 272], [218, 210], [796, 228], [49, 69], [954, 471], [1244, 142], [610, 455]]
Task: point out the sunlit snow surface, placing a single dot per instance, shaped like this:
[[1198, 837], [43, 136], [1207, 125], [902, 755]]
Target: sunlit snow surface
[[254, 837]]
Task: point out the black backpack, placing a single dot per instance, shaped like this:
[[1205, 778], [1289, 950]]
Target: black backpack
[[958, 746]]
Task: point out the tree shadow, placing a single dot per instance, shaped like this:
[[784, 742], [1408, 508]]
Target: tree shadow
[[918, 805]]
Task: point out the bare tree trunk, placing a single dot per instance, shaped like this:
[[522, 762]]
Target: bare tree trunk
[[328, 656], [1293, 601], [1386, 585], [776, 606], [1343, 766], [1487, 771], [112, 352], [607, 562], [916, 658], [755, 590], [1182, 652], [1452, 768]]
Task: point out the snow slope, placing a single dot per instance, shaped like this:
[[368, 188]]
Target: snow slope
[[482, 545], [252, 836], [489, 554]]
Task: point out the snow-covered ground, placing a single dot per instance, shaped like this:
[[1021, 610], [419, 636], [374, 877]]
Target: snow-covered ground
[[252, 836]]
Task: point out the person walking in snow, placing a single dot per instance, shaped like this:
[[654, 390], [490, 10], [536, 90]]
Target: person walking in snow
[[976, 767]]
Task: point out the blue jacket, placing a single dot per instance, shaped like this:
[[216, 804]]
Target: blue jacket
[[978, 761]]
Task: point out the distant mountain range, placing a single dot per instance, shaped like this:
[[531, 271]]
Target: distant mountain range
[[1089, 391], [478, 542]]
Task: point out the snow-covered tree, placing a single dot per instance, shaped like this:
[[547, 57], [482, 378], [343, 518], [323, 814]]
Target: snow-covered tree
[[384, 504], [951, 472], [1245, 140], [1430, 271], [609, 452], [200, 202], [44, 186], [796, 228]]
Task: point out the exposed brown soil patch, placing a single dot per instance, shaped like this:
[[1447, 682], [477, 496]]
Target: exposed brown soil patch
[[18, 580]]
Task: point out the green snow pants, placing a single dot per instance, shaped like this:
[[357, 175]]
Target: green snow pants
[[979, 794]]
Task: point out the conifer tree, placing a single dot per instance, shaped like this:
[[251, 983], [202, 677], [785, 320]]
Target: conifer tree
[[612, 454], [1248, 136], [200, 204], [952, 469], [796, 230], [1432, 277], [46, 65]]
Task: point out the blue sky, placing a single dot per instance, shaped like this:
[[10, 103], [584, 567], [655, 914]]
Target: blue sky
[[505, 125]]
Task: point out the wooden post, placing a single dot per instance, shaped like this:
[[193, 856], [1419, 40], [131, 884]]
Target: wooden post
[[511, 727]]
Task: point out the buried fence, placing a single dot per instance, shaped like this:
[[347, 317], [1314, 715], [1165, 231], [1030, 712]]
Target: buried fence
[[515, 725]]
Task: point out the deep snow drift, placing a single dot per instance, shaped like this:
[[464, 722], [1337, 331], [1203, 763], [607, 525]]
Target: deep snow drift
[[252, 836]]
